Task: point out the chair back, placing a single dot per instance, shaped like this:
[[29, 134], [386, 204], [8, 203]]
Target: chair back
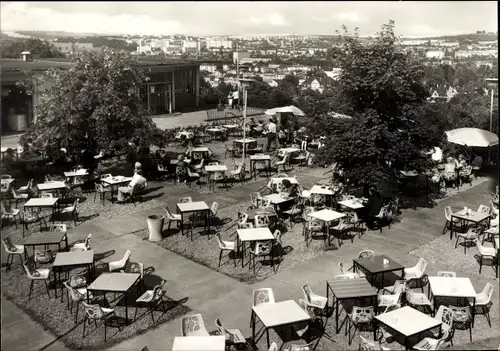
[[219, 326], [106, 175], [447, 213], [59, 227], [169, 214], [263, 248], [303, 305], [242, 217], [158, 291], [87, 241], [265, 203], [126, 257], [305, 213], [277, 236], [254, 199], [185, 200], [99, 188], [135, 267], [93, 311], [45, 195], [5, 176], [364, 314], [461, 314], [421, 265], [245, 225], [29, 268], [5, 208], [393, 307], [485, 296], [75, 295], [9, 247], [366, 254], [263, 296], [193, 326], [446, 274], [220, 242], [399, 287], [261, 221], [483, 209], [445, 315], [307, 292], [214, 208]]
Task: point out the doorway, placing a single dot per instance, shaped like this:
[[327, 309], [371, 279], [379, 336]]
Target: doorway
[[159, 98]]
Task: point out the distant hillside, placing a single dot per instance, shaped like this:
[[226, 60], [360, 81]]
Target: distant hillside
[[471, 37], [53, 35]]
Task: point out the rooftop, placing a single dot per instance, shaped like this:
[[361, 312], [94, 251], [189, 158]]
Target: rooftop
[[19, 65]]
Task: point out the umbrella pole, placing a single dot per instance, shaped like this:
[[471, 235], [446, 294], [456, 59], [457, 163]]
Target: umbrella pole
[[244, 124]]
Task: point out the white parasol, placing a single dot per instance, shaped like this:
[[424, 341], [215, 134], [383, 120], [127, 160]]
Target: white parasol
[[287, 109], [474, 137]]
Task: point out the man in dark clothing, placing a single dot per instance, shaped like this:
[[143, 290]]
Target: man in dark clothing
[[477, 162], [373, 207]]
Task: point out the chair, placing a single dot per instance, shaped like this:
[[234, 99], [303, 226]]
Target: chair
[[302, 158], [105, 175], [431, 343], [343, 228], [395, 291], [260, 297], [316, 302], [136, 267], [466, 175], [485, 252], [233, 336], [387, 337], [83, 246], [231, 150], [238, 173], [468, 238], [489, 234], [152, 298], [34, 274], [445, 316], [10, 213], [418, 301], [462, 319], [184, 200], [177, 218], [193, 325], [229, 246], [18, 197], [301, 347], [356, 221], [368, 345], [261, 249], [347, 275], [26, 188], [293, 213], [102, 191], [283, 162], [381, 216], [447, 215], [77, 296], [483, 302], [417, 274], [255, 199], [119, 265], [192, 176], [494, 208], [97, 313], [29, 217], [273, 347], [262, 221], [73, 210], [12, 250], [484, 209], [360, 316]]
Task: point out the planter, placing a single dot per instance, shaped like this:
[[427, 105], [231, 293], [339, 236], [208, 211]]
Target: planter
[[155, 227]]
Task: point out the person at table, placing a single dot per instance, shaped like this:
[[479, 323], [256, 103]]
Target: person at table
[[289, 191], [138, 181], [373, 206], [477, 162], [181, 168], [271, 135], [252, 124]]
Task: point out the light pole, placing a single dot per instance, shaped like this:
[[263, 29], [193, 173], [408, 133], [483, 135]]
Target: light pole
[[245, 83]]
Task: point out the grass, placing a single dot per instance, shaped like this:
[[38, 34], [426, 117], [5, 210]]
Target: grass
[[206, 252], [54, 315]]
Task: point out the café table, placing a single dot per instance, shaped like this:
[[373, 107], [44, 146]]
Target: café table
[[287, 150], [79, 173], [194, 207], [115, 283], [231, 128], [246, 143], [407, 322], [115, 182], [326, 216], [446, 287], [474, 217], [279, 314], [57, 186], [353, 204], [45, 202], [199, 343], [216, 131], [45, 238], [322, 190], [216, 169], [251, 235], [349, 289], [376, 265], [261, 159], [275, 183], [70, 260]]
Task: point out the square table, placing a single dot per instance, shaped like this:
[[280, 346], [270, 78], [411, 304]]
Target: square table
[[354, 204], [115, 282], [322, 190], [57, 186], [288, 150], [114, 182], [260, 158], [475, 217], [44, 202], [217, 169], [451, 287], [407, 321], [278, 314], [71, 260], [217, 130], [197, 206], [375, 265], [199, 343], [347, 289], [45, 238], [327, 216], [278, 180], [79, 173], [250, 235], [277, 199]]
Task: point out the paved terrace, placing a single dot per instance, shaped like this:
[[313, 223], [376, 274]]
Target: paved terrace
[[219, 296]]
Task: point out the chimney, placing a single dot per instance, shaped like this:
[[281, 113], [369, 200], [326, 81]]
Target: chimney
[[26, 55]]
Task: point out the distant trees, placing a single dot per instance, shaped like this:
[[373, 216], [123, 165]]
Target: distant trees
[[38, 49]]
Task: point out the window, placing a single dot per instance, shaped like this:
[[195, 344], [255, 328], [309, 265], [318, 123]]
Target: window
[[184, 82]]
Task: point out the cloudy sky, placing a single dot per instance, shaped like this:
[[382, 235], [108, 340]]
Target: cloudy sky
[[420, 18]]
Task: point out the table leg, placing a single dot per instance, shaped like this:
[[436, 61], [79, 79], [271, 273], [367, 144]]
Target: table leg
[[451, 227], [57, 278], [267, 337], [243, 249], [337, 315], [126, 308], [60, 269], [182, 223], [252, 317], [66, 240], [207, 224]]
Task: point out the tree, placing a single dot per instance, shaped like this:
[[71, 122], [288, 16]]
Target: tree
[[384, 89], [38, 49], [92, 105]]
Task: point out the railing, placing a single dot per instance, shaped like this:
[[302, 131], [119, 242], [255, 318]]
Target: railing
[[230, 116]]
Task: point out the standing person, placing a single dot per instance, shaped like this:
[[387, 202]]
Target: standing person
[[230, 99], [236, 98], [373, 207], [271, 134]]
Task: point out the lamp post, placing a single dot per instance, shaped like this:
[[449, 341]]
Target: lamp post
[[245, 83]]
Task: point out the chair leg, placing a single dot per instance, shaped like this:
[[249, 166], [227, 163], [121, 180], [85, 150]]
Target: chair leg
[[105, 330], [220, 257], [152, 314], [480, 264], [76, 314], [456, 243], [31, 289], [47, 287], [84, 325]]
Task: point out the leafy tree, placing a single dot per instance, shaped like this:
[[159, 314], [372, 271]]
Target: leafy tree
[[384, 89], [38, 49], [92, 105]]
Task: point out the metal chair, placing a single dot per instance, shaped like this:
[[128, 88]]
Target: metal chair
[[228, 246], [97, 313], [12, 250], [234, 337], [152, 298], [35, 274], [360, 316], [260, 297]]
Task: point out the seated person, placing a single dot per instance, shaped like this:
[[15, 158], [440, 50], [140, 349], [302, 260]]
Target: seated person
[[138, 181], [259, 128], [477, 162], [461, 162], [373, 207], [181, 168], [289, 191]]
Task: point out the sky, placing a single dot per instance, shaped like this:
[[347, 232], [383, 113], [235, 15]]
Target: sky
[[412, 18]]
